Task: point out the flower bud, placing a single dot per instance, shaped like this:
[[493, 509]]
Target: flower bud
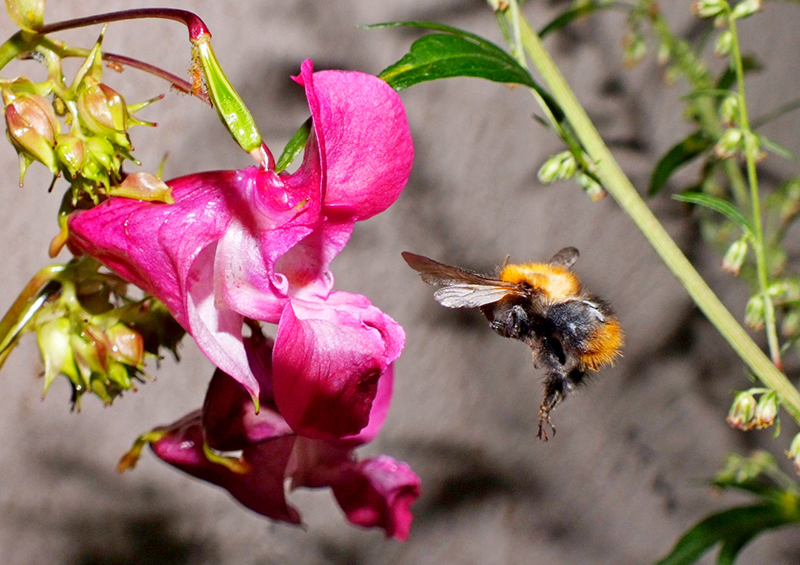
[[729, 109], [724, 43], [794, 452], [558, 167], [27, 14], [754, 312], [790, 324], [708, 8], [593, 188], [102, 109], [126, 345], [71, 152], [742, 410], [144, 186], [32, 128], [766, 410], [54, 346], [118, 374], [634, 49], [731, 144], [746, 8], [735, 256]]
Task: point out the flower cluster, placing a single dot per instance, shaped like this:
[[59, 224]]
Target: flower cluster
[[254, 245]]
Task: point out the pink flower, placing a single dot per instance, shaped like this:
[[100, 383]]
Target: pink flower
[[258, 244], [376, 492]]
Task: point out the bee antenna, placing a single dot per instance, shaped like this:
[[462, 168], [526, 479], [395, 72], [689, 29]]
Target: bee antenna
[[505, 263]]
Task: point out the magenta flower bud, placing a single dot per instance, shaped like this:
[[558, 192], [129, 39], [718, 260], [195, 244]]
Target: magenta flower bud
[[33, 127]]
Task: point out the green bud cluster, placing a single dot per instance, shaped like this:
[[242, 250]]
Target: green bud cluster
[[747, 413], [94, 145], [91, 333]]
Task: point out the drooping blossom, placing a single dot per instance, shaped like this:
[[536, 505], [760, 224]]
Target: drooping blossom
[[258, 244], [376, 492]]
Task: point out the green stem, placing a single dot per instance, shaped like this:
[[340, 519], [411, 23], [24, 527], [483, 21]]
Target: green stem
[[698, 76], [620, 187], [750, 152], [24, 307]]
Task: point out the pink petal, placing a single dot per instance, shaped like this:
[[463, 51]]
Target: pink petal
[[245, 276], [306, 265], [328, 359], [366, 146], [376, 492], [152, 244], [379, 492], [260, 488]]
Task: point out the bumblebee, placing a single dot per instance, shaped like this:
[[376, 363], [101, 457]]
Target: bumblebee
[[570, 332]]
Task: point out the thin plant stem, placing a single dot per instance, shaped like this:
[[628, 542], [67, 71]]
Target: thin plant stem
[[621, 189], [750, 151]]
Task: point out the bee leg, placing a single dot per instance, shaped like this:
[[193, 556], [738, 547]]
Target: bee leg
[[556, 387]]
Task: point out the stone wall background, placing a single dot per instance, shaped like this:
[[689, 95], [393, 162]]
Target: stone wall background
[[623, 478]]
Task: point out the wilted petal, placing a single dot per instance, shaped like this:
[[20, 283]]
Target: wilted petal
[[367, 148], [379, 492], [260, 487], [328, 359]]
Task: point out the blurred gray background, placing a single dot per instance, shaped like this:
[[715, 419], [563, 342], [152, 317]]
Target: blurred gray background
[[623, 477]]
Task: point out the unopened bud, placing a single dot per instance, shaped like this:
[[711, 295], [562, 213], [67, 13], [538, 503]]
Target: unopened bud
[[729, 109], [742, 410], [746, 8], [593, 188], [724, 43], [126, 345], [735, 256], [27, 14], [56, 351], [708, 8], [794, 452], [558, 167], [71, 152], [102, 109], [754, 312], [33, 127], [766, 410], [731, 144], [144, 186]]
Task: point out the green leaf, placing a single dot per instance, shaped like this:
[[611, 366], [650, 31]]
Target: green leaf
[[566, 18], [679, 155], [455, 53], [732, 528], [294, 147], [458, 53], [717, 204]]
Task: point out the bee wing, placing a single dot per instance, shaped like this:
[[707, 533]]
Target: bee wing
[[461, 288], [565, 257], [471, 295]]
